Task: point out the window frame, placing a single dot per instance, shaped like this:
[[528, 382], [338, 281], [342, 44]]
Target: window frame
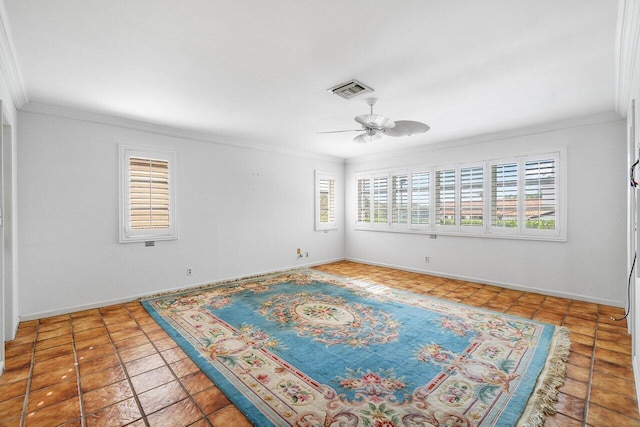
[[126, 233], [319, 224], [559, 233]]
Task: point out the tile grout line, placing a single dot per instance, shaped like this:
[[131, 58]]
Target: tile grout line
[[126, 372], [586, 399], [83, 413], [189, 396], [23, 416]]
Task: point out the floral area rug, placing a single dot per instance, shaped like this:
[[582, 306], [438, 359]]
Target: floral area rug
[[305, 348]]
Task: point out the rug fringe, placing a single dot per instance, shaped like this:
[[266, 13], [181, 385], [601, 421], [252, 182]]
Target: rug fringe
[[552, 377]]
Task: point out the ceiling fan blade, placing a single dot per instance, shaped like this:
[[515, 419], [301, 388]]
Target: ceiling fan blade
[[365, 137], [407, 128], [375, 121], [339, 131]]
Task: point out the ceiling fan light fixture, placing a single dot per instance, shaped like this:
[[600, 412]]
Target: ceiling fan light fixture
[[368, 137], [375, 121]]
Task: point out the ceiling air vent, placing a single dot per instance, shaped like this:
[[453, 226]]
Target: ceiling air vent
[[350, 89]]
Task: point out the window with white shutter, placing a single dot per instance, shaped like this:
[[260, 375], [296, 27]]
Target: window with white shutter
[[147, 201], [364, 201], [325, 201], [504, 196], [540, 194], [399, 199], [515, 197], [380, 200], [446, 198], [420, 206], [472, 197]]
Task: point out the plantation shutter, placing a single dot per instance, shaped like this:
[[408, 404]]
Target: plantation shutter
[[504, 195], [541, 194], [420, 198], [380, 199], [148, 194], [364, 200], [399, 199], [326, 188], [471, 196], [446, 197]]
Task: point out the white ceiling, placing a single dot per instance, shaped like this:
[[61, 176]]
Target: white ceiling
[[258, 71]]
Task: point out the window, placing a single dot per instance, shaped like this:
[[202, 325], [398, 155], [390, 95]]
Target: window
[[420, 206], [540, 192], [399, 199], [517, 197], [446, 198], [504, 196], [325, 201], [147, 202], [472, 197], [380, 200], [364, 201]]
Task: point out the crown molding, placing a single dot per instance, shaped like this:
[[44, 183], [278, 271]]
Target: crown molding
[[496, 136], [627, 31], [125, 123]]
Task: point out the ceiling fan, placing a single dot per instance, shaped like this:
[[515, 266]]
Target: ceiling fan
[[376, 126]]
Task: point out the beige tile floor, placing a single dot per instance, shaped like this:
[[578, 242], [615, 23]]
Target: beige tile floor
[[116, 366]]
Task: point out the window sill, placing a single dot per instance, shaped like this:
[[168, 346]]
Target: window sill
[[485, 235]]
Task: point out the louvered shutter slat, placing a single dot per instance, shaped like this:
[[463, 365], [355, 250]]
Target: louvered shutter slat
[[148, 194]]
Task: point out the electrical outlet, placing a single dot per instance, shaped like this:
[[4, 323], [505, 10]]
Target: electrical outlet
[[426, 259], [306, 254], [188, 271]]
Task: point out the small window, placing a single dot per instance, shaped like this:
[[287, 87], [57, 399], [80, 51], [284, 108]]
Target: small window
[[147, 195], [364, 201], [325, 201]]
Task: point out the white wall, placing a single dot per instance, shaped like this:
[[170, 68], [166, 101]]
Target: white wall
[[241, 211], [590, 265], [9, 311]]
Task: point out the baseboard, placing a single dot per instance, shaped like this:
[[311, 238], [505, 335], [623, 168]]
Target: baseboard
[[493, 283], [105, 303], [16, 323], [1, 367]]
